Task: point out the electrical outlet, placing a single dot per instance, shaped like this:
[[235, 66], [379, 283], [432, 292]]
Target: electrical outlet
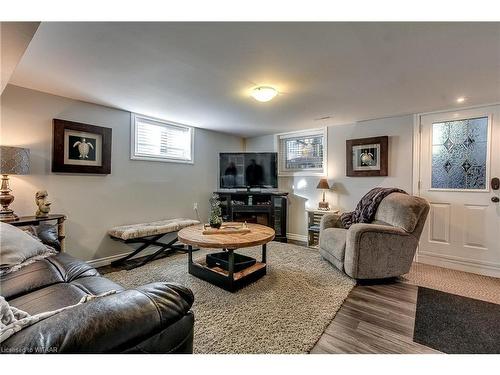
[[195, 205]]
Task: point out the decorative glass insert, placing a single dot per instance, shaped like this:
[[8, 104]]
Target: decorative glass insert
[[302, 152], [459, 154]]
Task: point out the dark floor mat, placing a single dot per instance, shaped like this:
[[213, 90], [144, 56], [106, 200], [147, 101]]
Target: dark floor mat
[[455, 324]]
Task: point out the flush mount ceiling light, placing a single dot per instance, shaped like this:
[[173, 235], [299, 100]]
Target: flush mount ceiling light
[[264, 93], [461, 99]]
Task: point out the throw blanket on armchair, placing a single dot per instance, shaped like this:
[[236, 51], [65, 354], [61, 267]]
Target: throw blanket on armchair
[[367, 206]]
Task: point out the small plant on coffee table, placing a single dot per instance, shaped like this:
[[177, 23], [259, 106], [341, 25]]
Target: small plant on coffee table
[[215, 219]]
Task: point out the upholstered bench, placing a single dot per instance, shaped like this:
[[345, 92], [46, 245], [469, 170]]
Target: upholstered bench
[[149, 234]]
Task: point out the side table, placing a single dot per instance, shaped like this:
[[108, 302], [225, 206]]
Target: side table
[[33, 220], [313, 219]]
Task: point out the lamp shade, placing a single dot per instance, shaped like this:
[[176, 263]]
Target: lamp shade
[[14, 160], [323, 184]]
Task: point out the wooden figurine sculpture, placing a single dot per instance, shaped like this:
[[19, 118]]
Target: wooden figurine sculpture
[[43, 203]]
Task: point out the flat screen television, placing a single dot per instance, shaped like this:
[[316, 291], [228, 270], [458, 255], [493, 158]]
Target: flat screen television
[[248, 169]]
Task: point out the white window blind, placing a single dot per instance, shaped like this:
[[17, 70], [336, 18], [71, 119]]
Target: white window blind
[[163, 141]]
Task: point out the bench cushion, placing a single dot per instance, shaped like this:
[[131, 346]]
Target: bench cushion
[[128, 232]]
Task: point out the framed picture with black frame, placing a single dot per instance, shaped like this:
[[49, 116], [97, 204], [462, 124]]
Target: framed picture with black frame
[[367, 157], [80, 148]]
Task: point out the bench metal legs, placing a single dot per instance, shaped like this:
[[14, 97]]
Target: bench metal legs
[[165, 248]]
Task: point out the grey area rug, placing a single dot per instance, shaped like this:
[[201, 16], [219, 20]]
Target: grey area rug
[[455, 324], [286, 311]]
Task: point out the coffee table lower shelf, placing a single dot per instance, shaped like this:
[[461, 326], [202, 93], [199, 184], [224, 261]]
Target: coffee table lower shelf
[[224, 279]]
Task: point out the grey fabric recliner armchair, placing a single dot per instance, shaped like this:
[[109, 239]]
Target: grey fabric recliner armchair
[[384, 248]]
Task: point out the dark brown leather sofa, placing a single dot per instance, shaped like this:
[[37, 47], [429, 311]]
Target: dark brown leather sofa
[[154, 318]]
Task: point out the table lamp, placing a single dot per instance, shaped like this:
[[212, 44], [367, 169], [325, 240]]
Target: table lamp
[[323, 184], [13, 160]]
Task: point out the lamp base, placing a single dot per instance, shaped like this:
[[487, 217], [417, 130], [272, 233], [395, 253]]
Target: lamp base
[[8, 215], [324, 206]]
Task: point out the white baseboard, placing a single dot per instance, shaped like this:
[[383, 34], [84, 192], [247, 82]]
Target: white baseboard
[[100, 262], [460, 264], [296, 237]]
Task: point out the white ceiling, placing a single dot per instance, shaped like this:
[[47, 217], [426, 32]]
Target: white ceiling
[[200, 73], [14, 39]]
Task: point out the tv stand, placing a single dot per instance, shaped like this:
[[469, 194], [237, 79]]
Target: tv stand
[[266, 208]]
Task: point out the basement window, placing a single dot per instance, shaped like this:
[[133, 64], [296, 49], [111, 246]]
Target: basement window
[[158, 140], [302, 153]]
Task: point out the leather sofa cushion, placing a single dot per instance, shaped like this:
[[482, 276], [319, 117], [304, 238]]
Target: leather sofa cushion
[[401, 210], [54, 269], [333, 240], [96, 285], [49, 298], [29, 278], [71, 268], [48, 234], [61, 295]]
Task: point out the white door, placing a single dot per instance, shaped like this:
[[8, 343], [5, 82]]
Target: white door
[[459, 157]]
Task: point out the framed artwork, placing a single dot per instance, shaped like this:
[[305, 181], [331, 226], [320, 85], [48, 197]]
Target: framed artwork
[[80, 148], [367, 157]]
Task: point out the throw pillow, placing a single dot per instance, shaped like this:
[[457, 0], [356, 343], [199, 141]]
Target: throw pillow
[[18, 247]]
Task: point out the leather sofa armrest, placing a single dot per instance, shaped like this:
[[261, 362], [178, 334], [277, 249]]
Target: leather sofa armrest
[[330, 221], [375, 251], [108, 324]]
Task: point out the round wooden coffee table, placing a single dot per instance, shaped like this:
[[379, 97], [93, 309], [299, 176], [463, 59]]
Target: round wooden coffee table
[[225, 276]]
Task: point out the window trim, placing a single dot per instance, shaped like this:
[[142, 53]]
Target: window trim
[[307, 172], [133, 135]]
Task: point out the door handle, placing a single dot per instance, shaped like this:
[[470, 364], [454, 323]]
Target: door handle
[[495, 199], [495, 183]]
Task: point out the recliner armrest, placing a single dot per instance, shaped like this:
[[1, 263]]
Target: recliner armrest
[[356, 230], [108, 324], [330, 221], [375, 251]]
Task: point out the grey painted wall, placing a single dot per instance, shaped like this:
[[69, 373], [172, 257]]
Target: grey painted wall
[[136, 191], [347, 190]]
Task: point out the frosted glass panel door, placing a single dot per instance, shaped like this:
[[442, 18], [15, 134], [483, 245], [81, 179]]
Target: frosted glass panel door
[[460, 154]]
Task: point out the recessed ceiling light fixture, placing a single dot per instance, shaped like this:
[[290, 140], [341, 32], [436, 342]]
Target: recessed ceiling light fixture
[[460, 99], [264, 93]]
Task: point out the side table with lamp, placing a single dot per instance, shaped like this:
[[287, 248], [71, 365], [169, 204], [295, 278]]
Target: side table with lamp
[[314, 215], [16, 161], [323, 185]]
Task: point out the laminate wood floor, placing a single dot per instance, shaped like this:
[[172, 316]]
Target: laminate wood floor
[[374, 319]]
